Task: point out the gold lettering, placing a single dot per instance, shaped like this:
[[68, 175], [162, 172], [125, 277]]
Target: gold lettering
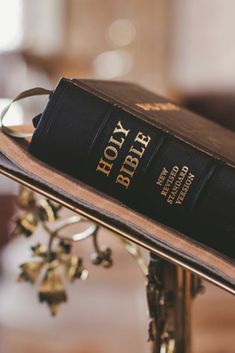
[[185, 188], [123, 180], [169, 181], [116, 142], [191, 177], [163, 106], [131, 161], [143, 139], [185, 169], [164, 191], [175, 187], [110, 153], [127, 171], [162, 176], [170, 199], [134, 150], [104, 167], [120, 129]]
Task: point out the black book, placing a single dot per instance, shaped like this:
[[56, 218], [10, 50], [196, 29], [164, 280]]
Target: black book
[[145, 151]]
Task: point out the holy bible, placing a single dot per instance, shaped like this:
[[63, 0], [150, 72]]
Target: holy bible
[[144, 151]]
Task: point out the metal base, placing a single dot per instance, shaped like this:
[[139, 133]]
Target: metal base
[[170, 290]]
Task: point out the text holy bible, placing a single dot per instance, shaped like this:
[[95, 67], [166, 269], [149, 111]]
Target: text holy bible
[[144, 151]]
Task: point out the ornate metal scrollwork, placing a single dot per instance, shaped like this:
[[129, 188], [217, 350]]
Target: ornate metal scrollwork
[[55, 261], [169, 288]]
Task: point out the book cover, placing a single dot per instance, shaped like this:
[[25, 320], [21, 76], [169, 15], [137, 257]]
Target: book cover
[[105, 206], [146, 152]]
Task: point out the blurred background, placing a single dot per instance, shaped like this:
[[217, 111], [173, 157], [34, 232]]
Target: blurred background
[[184, 49]]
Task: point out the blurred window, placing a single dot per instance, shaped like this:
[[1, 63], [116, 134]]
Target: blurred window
[[10, 30]]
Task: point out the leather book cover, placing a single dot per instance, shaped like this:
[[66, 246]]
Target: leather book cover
[[146, 152], [109, 208]]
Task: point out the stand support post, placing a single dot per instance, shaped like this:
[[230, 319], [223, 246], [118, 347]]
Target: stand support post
[[170, 290]]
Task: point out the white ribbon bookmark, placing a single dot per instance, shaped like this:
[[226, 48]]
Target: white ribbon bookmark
[[37, 91]]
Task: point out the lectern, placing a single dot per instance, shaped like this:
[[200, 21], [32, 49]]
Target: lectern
[[176, 263]]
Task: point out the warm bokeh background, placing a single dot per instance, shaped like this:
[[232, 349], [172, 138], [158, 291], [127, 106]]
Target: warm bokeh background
[[184, 49]]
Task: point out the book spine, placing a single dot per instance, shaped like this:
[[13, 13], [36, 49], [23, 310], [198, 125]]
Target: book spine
[[148, 169], [139, 164], [164, 178]]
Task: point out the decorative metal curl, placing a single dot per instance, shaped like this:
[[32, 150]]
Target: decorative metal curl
[[54, 262]]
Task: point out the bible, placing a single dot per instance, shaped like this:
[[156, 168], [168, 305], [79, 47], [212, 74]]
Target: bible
[[146, 152]]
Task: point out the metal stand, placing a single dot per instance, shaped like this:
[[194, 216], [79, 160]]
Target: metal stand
[[170, 291]]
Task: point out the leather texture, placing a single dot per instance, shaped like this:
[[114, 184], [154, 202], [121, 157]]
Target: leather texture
[[197, 197], [18, 164], [187, 126]]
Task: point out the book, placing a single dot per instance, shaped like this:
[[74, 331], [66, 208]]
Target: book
[[17, 163], [145, 151]]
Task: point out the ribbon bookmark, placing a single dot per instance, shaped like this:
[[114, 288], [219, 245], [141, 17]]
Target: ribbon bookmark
[[37, 91]]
